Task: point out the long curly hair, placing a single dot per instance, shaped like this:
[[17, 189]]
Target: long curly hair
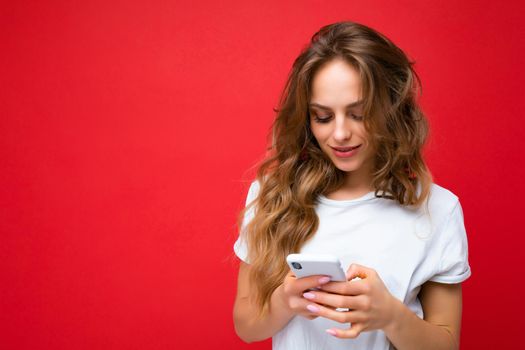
[[296, 171]]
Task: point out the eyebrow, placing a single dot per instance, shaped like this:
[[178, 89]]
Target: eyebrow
[[326, 108]]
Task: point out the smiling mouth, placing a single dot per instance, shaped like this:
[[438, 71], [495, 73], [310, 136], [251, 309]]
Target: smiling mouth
[[345, 149]]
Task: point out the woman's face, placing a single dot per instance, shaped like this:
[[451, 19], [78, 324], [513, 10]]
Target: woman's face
[[336, 118]]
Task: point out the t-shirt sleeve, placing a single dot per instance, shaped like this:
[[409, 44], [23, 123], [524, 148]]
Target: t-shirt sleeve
[[453, 249], [240, 246]]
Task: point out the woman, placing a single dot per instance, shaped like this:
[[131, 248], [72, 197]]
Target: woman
[[346, 176]]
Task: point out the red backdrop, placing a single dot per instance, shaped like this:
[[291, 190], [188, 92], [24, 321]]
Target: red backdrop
[[127, 132]]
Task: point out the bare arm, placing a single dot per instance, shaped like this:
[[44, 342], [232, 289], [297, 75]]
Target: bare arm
[[286, 302], [247, 327], [373, 307], [440, 327]]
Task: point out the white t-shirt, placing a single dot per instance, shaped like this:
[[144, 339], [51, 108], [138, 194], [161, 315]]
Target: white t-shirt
[[407, 248]]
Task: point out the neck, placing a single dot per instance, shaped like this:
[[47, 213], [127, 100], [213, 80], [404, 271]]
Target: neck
[[359, 180]]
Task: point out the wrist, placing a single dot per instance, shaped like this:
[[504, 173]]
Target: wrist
[[396, 315], [279, 300]]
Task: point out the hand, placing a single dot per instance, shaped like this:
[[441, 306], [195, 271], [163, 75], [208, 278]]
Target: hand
[[370, 304], [293, 289]]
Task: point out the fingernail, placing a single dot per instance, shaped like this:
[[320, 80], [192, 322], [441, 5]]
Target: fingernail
[[309, 295], [331, 331], [324, 280], [312, 308]]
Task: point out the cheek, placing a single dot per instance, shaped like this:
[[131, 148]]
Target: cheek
[[363, 135], [320, 133]]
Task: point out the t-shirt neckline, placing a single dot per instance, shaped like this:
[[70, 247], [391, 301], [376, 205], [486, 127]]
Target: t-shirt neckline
[[345, 202]]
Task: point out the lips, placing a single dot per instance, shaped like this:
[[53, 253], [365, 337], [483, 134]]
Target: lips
[[345, 149]]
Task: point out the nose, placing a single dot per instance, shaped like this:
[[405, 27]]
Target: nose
[[342, 131]]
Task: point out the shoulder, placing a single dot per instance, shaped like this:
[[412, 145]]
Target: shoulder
[[441, 203], [439, 194], [255, 186], [441, 197], [253, 191]]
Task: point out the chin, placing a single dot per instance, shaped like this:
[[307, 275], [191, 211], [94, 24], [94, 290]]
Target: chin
[[347, 167], [347, 170]]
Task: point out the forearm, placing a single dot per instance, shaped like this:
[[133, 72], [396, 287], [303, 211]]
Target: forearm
[[251, 329], [408, 331]]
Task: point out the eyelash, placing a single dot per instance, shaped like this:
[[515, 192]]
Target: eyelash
[[326, 119]]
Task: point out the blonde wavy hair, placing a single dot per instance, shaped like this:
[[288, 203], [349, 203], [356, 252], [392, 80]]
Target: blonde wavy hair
[[296, 171]]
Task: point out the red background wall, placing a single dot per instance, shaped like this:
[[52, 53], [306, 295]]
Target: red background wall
[[127, 129]]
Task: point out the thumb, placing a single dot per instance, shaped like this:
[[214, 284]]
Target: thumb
[[356, 271]]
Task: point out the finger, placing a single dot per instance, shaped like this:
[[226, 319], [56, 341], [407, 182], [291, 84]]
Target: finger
[[303, 310], [351, 333], [304, 283], [347, 288], [358, 271], [335, 301], [338, 316], [308, 300]]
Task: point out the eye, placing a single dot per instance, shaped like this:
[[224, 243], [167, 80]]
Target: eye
[[357, 117], [322, 118]]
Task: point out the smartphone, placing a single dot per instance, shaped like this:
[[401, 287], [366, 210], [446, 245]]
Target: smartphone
[[304, 265]]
